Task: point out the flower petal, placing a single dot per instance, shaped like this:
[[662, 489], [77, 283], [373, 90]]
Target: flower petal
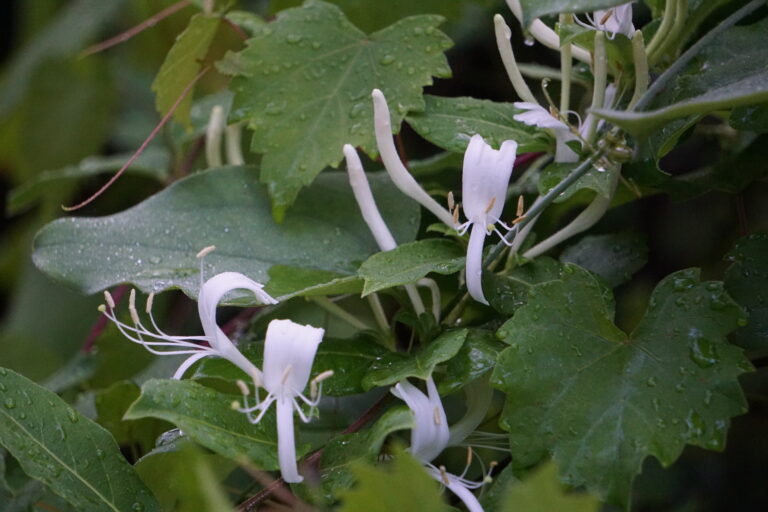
[[286, 442], [429, 435], [475, 263], [485, 177], [289, 350]]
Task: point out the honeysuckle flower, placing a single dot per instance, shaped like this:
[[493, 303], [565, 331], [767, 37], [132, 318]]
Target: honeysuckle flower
[[536, 115], [616, 20], [430, 435], [213, 343], [485, 177], [289, 350]]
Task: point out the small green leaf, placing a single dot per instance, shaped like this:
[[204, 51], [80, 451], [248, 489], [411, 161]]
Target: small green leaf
[[533, 9], [286, 282], [574, 380], [449, 123], [395, 367], [404, 486], [304, 82], [72, 455], [541, 491], [599, 181], [747, 282], [476, 357], [207, 417], [410, 262], [614, 257], [154, 244], [731, 71], [752, 119], [182, 64], [508, 292]]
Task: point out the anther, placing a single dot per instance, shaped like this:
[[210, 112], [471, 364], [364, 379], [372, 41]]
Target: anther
[[451, 202], [243, 388], [518, 220], [132, 307], [235, 405], [606, 17], [286, 373], [469, 456], [520, 206], [456, 216], [444, 475], [102, 308], [490, 204], [436, 415], [256, 378], [206, 251], [108, 298], [150, 301]]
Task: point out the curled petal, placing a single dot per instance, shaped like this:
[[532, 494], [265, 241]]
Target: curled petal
[[536, 115], [429, 435], [289, 350], [485, 177]]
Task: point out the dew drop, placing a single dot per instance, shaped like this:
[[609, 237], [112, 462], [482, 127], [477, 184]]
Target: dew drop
[[387, 60], [9, 403]]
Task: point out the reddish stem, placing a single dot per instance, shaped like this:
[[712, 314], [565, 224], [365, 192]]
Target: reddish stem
[[526, 158], [101, 322]]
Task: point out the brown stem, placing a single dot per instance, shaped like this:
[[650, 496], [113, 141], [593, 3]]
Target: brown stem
[[189, 158], [124, 36]]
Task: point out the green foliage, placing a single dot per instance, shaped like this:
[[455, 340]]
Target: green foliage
[[404, 486], [537, 8], [182, 64], [303, 85], [154, 244], [599, 181], [542, 492], [508, 292], [615, 257], [476, 357], [410, 262], [207, 417], [286, 282], [449, 123], [75, 457], [573, 379], [394, 367], [747, 282]]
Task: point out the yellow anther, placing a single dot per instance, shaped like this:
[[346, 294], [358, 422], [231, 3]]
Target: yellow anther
[[444, 475], [235, 405], [451, 202], [132, 307], [436, 416], [206, 251], [520, 206], [243, 388], [150, 301], [102, 308], [286, 373], [109, 300], [606, 17], [456, 216], [324, 375], [490, 204]]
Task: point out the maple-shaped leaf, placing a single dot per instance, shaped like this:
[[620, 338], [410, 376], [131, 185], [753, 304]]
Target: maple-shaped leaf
[[600, 400], [303, 84]]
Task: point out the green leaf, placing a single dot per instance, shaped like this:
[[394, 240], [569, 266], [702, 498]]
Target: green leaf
[[599, 400], [395, 367], [599, 181], [615, 257], [731, 71], [753, 119], [747, 282], [187, 489], [476, 357], [449, 123], [542, 492], [72, 455], [533, 9], [181, 66], [404, 486], [410, 262], [304, 86], [207, 417], [153, 244], [286, 282], [342, 452], [506, 293], [153, 163]]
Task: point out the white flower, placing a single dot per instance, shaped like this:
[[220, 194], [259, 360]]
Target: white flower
[[536, 115], [485, 177], [617, 20], [289, 350], [213, 343], [430, 435]]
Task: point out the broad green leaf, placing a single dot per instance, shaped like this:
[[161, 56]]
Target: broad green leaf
[[508, 292], [394, 367], [449, 123], [753, 119], [175, 473], [343, 451], [731, 71], [614, 257], [72, 455], [153, 163], [600, 400], [533, 9], [410, 262], [182, 64], [541, 491], [153, 244], [207, 417], [404, 486], [476, 357], [303, 84], [747, 282], [599, 181], [286, 282]]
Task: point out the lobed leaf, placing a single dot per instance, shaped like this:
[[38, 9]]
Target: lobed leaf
[[747, 282]]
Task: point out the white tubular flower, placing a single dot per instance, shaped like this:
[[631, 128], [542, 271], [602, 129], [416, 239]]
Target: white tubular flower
[[485, 177], [430, 436], [289, 350], [537, 115], [617, 20], [395, 168], [608, 100], [545, 35], [214, 343]]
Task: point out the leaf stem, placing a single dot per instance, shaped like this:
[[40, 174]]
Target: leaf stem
[[339, 312]]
